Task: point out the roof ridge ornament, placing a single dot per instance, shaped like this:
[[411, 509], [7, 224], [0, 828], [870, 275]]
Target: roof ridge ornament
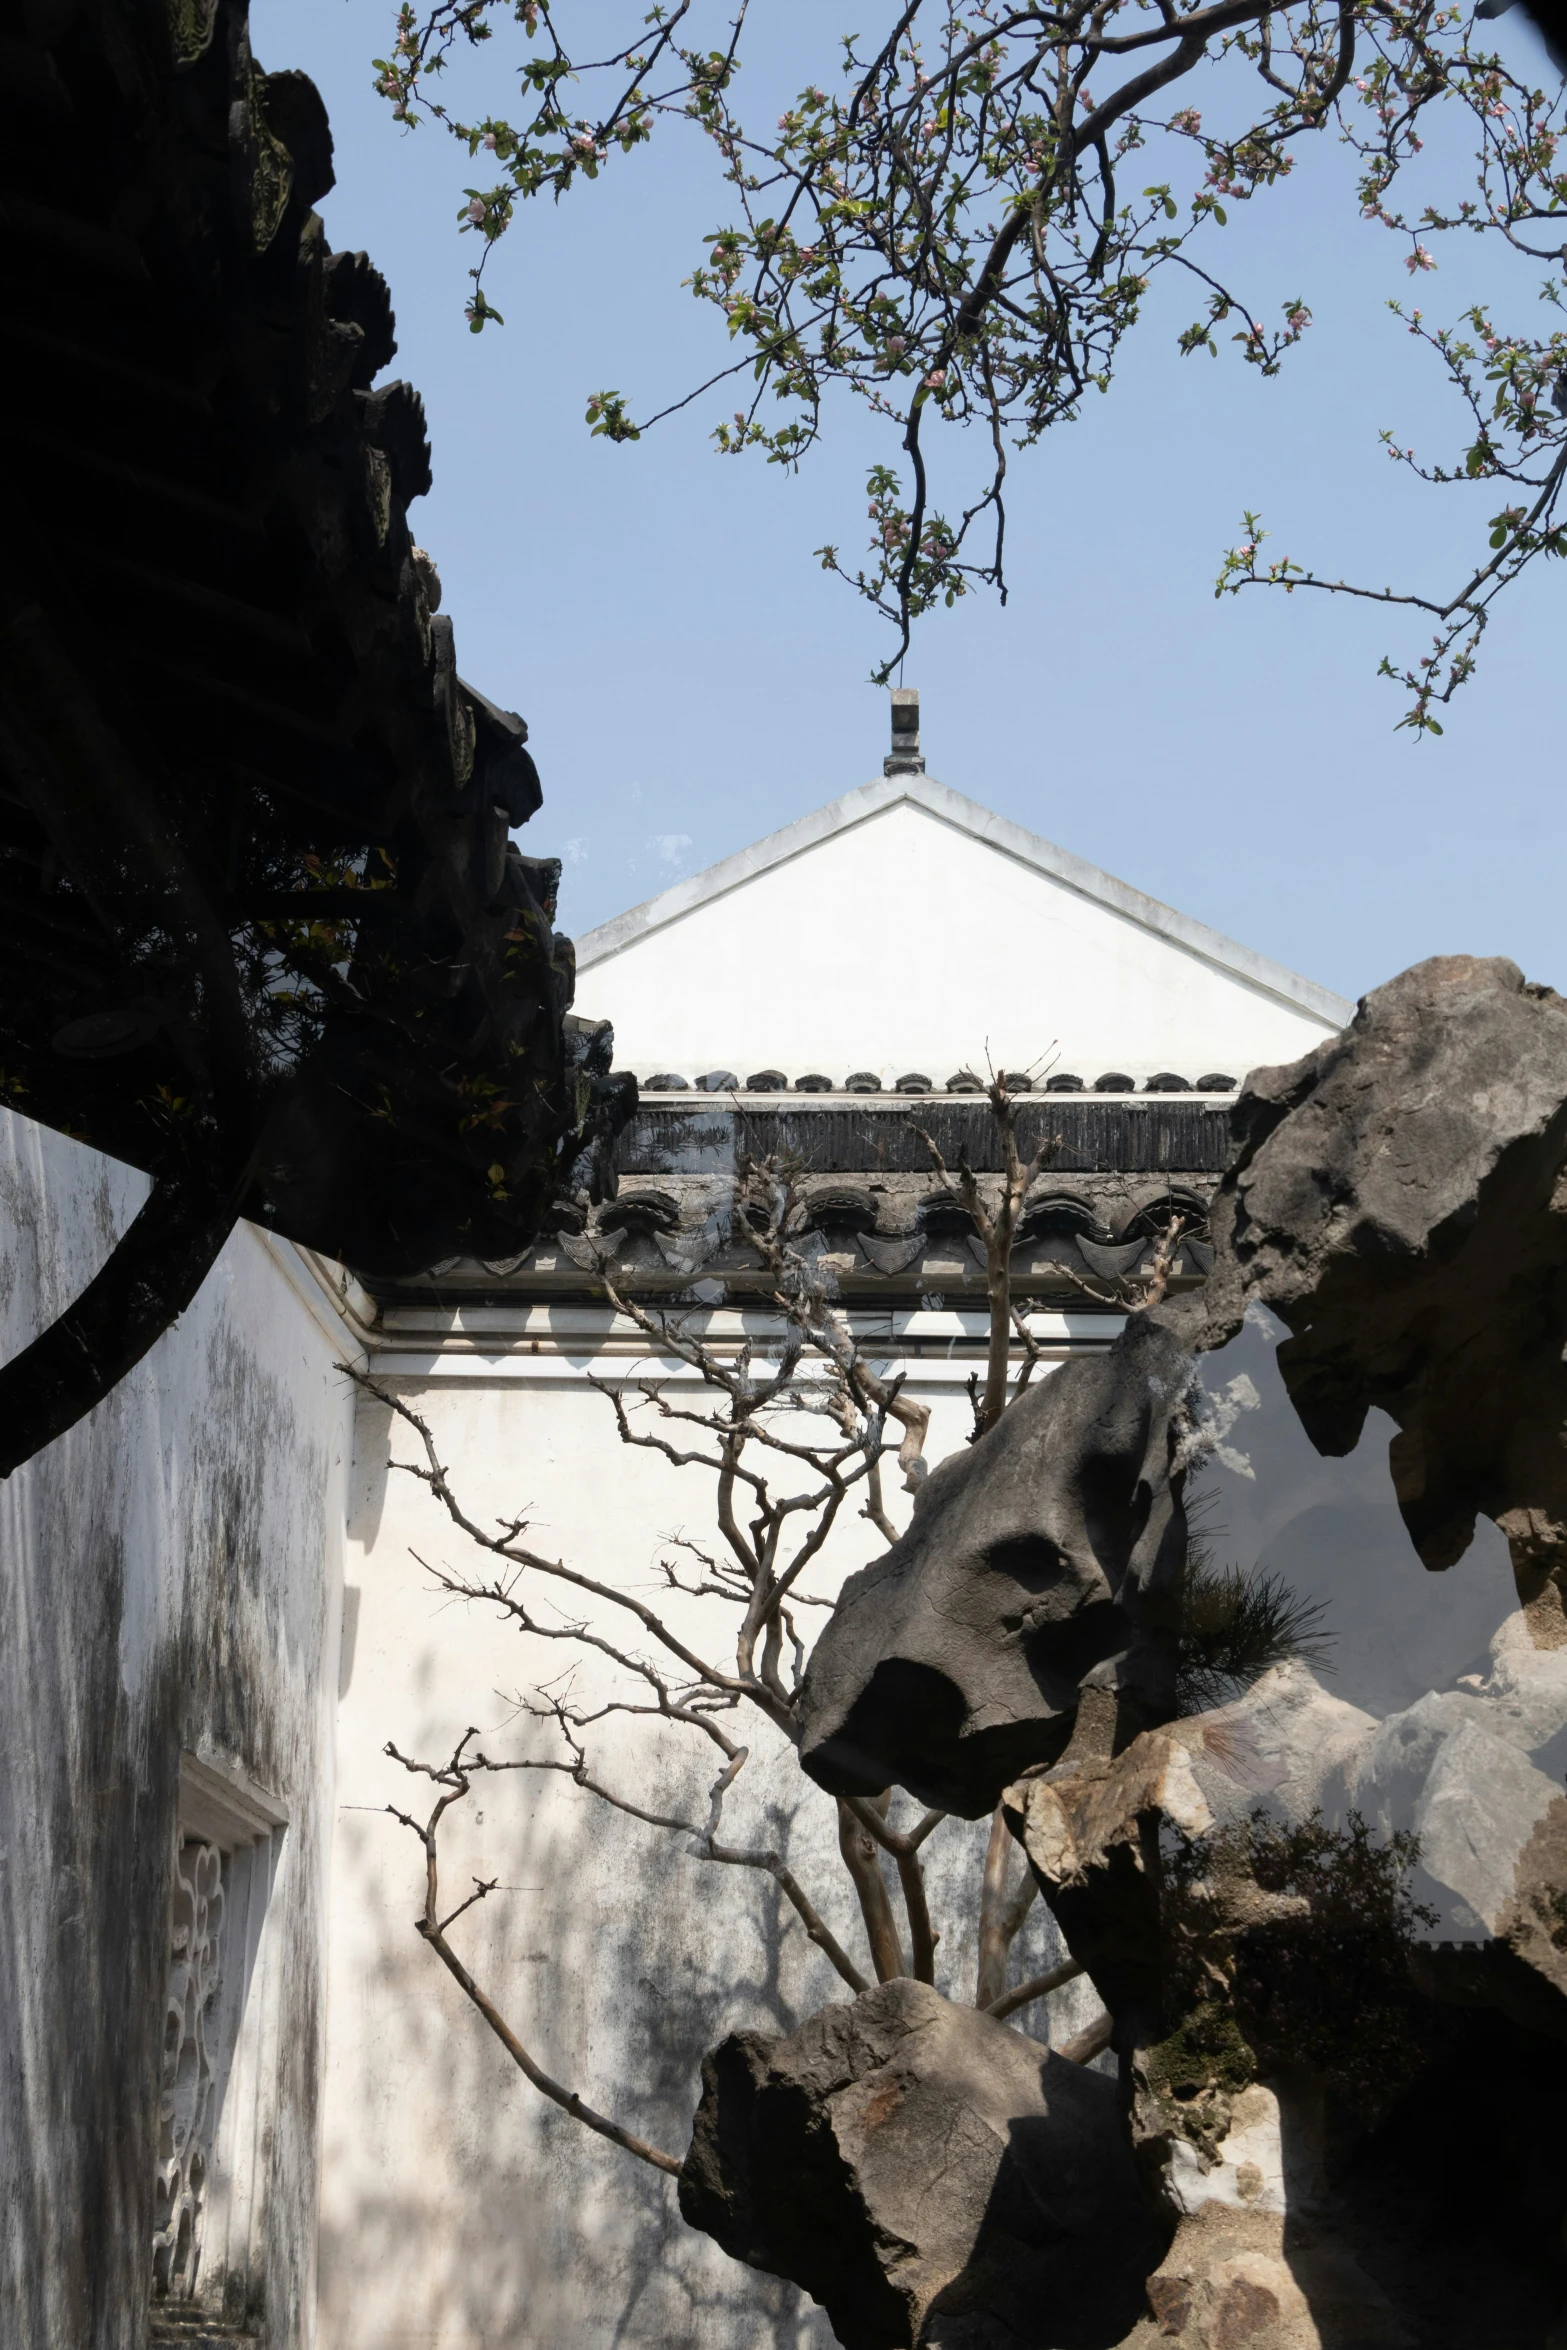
[[904, 757]]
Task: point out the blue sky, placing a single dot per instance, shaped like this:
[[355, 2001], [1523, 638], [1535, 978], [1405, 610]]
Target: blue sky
[[693, 679]]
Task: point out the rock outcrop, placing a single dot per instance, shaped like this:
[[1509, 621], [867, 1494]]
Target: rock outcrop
[[1333, 1940], [1399, 1198], [1298, 2052], [1039, 1562], [930, 2176]]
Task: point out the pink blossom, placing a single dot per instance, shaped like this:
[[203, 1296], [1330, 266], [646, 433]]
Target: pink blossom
[[896, 345], [489, 141], [1418, 259], [476, 212], [936, 380]]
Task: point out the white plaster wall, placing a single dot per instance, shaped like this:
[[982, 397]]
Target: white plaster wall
[[170, 1578], [461, 2211], [872, 948]]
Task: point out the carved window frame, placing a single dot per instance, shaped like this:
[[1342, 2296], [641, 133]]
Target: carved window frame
[[219, 2047]]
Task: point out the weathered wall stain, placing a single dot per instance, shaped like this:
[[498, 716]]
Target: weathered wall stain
[[169, 1578]]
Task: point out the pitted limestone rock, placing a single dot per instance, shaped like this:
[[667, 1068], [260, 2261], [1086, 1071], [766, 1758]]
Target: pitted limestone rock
[[930, 2176], [1037, 1562], [1399, 1197]]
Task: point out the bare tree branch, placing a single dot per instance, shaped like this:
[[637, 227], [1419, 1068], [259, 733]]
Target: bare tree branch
[[1037, 1987], [859, 1849], [433, 1929], [1092, 2041], [771, 1533]]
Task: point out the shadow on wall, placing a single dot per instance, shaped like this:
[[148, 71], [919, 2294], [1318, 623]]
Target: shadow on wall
[[372, 1468], [462, 2210], [163, 1587], [73, 1858]]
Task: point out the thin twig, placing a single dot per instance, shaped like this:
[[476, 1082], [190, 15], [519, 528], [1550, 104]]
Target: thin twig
[[433, 1929]]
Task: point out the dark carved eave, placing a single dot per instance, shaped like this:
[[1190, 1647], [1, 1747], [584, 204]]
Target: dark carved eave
[[264, 933], [871, 1203]]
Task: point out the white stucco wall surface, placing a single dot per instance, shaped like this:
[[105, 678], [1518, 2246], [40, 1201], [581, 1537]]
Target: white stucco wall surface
[[461, 2211], [863, 939], [170, 1581]]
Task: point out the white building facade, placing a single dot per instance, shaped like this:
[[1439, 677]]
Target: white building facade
[[227, 1610]]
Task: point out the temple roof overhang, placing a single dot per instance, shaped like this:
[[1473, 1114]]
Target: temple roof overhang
[[873, 1208]]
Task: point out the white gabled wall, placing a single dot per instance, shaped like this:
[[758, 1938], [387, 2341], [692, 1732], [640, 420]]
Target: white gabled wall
[[900, 929], [461, 2211], [906, 941]]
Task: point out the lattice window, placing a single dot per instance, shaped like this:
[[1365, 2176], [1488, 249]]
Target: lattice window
[[224, 1851], [187, 2104]]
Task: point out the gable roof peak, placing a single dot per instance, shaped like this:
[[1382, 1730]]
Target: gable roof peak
[[904, 757], [910, 786]]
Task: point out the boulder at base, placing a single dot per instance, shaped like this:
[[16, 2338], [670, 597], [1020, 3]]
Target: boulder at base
[[932, 2177]]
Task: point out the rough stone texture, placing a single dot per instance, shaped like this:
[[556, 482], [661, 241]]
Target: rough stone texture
[[1035, 1565], [1391, 2185], [1092, 1832], [1231, 2280], [1398, 1197], [933, 2178]]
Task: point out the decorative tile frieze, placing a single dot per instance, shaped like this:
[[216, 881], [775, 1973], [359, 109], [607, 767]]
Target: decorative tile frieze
[[886, 1236], [914, 1081]]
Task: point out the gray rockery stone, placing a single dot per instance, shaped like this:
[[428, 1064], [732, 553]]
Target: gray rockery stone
[[1035, 1564], [1328, 1934], [931, 2177], [1398, 1198]]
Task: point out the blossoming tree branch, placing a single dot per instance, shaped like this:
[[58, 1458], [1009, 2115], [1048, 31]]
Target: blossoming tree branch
[[962, 228]]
